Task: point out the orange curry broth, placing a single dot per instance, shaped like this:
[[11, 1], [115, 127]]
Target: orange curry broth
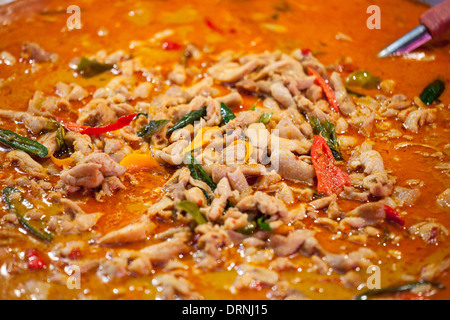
[[304, 24]]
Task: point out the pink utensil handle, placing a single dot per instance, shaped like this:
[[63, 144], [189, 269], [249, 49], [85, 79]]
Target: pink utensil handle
[[437, 19]]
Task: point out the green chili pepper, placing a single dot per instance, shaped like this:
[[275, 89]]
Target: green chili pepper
[[363, 79], [432, 92], [19, 207], [190, 118], [17, 141], [327, 130], [265, 117], [89, 68], [151, 128], [226, 113], [193, 210], [403, 288]]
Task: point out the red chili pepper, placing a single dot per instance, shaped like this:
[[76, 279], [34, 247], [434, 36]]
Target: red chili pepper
[[119, 124], [212, 26], [393, 216], [169, 45], [306, 51], [35, 261], [329, 93], [74, 254], [330, 179]]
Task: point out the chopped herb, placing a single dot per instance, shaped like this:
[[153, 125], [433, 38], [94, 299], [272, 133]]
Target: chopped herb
[[20, 207], [363, 79], [248, 229], [195, 175], [151, 128], [193, 210], [190, 118], [62, 147], [432, 92], [193, 171], [327, 130], [263, 224], [60, 133], [226, 113], [89, 68], [17, 141], [265, 117], [385, 236], [251, 227], [396, 289], [185, 56], [198, 173], [253, 107]]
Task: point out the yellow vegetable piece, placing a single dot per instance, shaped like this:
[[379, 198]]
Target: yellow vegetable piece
[[62, 163], [139, 161], [203, 137], [274, 27], [248, 148]]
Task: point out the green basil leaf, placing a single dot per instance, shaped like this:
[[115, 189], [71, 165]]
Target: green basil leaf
[[198, 173], [189, 118], [226, 113], [265, 117], [248, 229], [432, 92], [263, 225], [151, 128], [328, 132], [89, 68]]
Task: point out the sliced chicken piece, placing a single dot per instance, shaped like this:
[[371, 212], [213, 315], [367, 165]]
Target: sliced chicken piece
[[26, 163], [231, 71], [289, 166], [221, 195], [284, 246], [134, 232]]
